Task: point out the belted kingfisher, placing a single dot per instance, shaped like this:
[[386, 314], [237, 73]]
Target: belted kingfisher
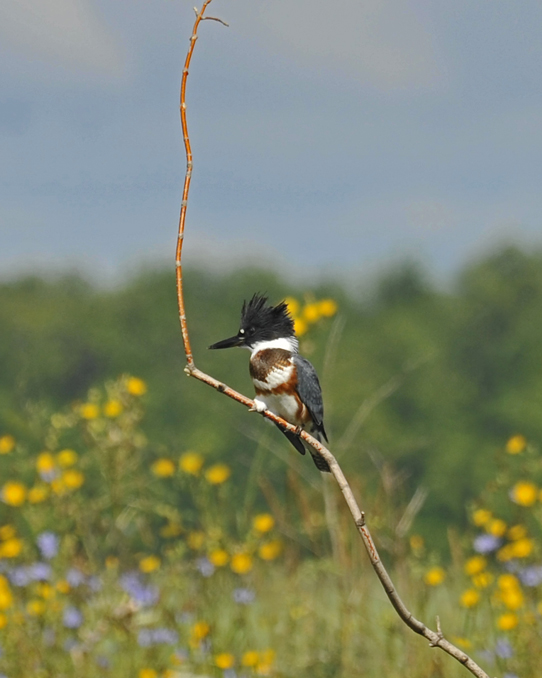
[[285, 382]]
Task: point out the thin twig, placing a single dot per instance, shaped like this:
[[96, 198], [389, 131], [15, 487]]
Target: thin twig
[[435, 638]]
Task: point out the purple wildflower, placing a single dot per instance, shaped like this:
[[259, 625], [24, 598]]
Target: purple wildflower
[[205, 567], [503, 648], [75, 577], [160, 636], [485, 543], [19, 576], [48, 543], [95, 583], [39, 571], [531, 576], [146, 595], [49, 475], [243, 596], [72, 618]]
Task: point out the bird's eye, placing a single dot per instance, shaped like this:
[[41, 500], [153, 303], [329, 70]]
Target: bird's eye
[[241, 331]]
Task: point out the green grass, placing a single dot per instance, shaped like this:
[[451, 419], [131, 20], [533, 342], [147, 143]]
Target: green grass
[[126, 586]]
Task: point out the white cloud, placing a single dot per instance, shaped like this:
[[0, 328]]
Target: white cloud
[[386, 43], [69, 33]]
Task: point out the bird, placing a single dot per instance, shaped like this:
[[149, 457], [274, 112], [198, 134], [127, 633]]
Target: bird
[[286, 384]]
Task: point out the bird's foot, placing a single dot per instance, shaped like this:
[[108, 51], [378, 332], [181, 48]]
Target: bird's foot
[[258, 406]]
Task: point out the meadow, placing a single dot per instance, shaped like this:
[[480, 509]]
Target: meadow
[[126, 556]]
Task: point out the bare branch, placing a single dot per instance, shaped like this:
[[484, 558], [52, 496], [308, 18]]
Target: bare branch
[[435, 638]]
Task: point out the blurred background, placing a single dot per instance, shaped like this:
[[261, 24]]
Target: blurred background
[[377, 164]]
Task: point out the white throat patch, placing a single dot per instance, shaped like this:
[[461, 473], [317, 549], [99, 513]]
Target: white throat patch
[[287, 343]]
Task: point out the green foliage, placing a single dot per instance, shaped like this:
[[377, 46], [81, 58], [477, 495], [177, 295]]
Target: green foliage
[[120, 559], [463, 366]]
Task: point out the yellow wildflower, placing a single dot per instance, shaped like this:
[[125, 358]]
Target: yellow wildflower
[[475, 565], [219, 557], [517, 532], [311, 313], [516, 444], [45, 463], [481, 517], [434, 576], [147, 673], [58, 487], [217, 474], [66, 458], [265, 665], [72, 479], [63, 586], [327, 307], [522, 547], [524, 493], [162, 468], [250, 658], [35, 608], [263, 522], [191, 462], [270, 550], [505, 553], [241, 563], [465, 643], [6, 598], [293, 305], [7, 532], [45, 590], [507, 581], [224, 660], [469, 598], [136, 386], [7, 443], [196, 540], [3, 620], [149, 563], [482, 580], [496, 527], [507, 621], [300, 327], [200, 630], [37, 494], [11, 548], [512, 598], [89, 411], [13, 493], [113, 408]]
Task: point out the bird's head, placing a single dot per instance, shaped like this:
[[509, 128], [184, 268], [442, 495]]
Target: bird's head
[[262, 323]]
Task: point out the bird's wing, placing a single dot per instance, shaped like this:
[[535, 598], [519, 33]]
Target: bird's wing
[[308, 389]]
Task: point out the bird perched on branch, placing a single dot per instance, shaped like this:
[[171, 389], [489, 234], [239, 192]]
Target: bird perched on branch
[[285, 382]]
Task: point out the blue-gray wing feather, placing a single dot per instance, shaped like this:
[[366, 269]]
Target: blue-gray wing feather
[[310, 392]]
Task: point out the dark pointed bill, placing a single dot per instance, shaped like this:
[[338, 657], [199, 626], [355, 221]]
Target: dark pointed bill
[[228, 343]]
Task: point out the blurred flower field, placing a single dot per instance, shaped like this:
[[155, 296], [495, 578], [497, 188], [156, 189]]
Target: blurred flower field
[[122, 559]]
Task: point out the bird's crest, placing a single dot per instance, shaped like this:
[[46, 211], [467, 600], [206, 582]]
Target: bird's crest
[[274, 321]]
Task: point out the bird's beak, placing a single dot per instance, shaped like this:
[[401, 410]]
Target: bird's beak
[[228, 343]]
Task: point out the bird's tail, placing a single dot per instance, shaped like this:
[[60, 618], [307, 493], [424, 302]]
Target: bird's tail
[[319, 461]]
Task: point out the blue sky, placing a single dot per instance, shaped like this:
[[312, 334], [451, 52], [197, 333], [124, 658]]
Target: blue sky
[[334, 137]]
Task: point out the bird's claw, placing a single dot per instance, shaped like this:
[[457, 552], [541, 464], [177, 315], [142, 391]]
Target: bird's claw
[[257, 406]]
